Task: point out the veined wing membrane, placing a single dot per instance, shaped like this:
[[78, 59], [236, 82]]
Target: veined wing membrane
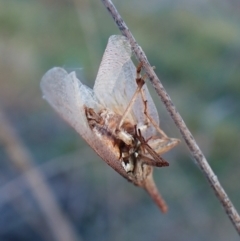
[[116, 54], [67, 95], [116, 83]]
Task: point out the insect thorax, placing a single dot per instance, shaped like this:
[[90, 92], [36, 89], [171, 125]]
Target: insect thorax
[[104, 125]]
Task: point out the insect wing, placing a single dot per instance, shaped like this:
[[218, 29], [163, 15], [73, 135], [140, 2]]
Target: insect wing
[[116, 82], [117, 53], [67, 95]]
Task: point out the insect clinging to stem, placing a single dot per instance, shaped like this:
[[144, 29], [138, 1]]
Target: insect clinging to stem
[[117, 118]]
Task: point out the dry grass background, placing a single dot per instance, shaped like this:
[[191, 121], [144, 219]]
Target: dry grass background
[[195, 47]]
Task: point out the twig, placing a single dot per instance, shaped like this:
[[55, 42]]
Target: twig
[[58, 223], [186, 134]]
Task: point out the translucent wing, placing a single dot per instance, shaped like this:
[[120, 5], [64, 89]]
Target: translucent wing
[[116, 82], [117, 53], [67, 95]]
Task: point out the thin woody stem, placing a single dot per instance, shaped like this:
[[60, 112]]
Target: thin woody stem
[[186, 134]]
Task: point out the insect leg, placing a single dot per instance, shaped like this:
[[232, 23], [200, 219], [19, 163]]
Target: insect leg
[[159, 162], [152, 121], [162, 145], [140, 83], [159, 145]]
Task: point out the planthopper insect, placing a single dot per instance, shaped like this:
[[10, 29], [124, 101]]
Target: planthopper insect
[[117, 118]]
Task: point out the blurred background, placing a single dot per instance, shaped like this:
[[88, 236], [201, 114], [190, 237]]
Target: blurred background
[[52, 184]]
